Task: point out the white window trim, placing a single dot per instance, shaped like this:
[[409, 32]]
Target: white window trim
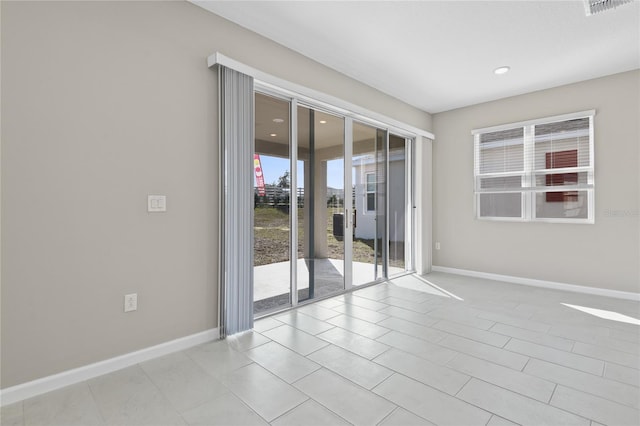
[[367, 192], [529, 191]]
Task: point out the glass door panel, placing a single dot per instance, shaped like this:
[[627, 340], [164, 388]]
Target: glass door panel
[[271, 211], [321, 204], [368, 170], [398, 205]]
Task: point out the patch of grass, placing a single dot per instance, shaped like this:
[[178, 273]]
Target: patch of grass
[[271, 239]]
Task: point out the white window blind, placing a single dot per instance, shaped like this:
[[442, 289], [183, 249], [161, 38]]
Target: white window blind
[[540, 170], [500, 173]]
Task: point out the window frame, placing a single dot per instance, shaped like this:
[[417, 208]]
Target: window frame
[[529, 191], [367, 192]]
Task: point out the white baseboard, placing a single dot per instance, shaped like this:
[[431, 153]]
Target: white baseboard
[[541, 283], [66, 378]]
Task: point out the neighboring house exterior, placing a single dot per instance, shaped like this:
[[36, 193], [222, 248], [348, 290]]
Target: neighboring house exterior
[[366, 199]]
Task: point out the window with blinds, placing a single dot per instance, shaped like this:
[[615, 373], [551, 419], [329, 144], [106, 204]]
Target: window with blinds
[[540, 170]]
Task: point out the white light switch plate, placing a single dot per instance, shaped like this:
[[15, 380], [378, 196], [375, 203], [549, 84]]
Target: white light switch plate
[[156, 203]]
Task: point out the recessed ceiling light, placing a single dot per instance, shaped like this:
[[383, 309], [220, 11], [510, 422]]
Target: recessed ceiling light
[[323, 121], [278, 120], [501, 70], [273, 135]]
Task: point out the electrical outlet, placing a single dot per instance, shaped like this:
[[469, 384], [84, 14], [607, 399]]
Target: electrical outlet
[[130, 302], [437, 245]]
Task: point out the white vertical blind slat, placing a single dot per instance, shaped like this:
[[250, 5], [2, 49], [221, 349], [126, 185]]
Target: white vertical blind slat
[[236, 236]]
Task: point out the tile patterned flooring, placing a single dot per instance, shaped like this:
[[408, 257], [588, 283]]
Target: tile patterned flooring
[[398, 353]]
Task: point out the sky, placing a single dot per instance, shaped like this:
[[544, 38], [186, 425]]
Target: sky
[[274, 167]]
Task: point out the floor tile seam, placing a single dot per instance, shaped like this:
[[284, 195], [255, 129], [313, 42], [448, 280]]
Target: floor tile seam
[[289, 410], [269, 339], [605, 361], [309, 332], [462, 387], [459, 324], [320, 366], [351, 382], [351, 332], [414, 336], [389, 415], [592, 343], [440, 364], [523, 317], [358, 335], [618, 381], [400, 406], [470, 338], [298, 312], [457, 351], [555, 363], [296, 329], [473, 376], [511, 370], [360, 318], [570, 353], [367, 358], [408, 320], [229, 391], [581, 415], [419, 355], [282, 378], [164, 396], [435, 364], [246, 403], [540, 333], [466, 324], [516, 326], [606, 348], [93, 397], [552, 393], [602, 377], [524, 396], [328, 368], [375, 301], [355, 332], [586, 390], [448, 395]]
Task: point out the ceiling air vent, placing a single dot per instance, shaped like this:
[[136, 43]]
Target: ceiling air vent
[[596, 6]]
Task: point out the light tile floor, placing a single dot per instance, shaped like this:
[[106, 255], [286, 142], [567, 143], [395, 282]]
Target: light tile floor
[[440, 349]]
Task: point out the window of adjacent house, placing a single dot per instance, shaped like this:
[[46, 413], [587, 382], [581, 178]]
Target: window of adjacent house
[[541, 170], [371, 191]]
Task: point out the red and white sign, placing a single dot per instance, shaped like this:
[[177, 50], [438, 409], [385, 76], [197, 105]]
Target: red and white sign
[[257, 167]]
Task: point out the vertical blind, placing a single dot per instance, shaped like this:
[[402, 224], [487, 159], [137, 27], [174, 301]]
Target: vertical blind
[[236, 226]]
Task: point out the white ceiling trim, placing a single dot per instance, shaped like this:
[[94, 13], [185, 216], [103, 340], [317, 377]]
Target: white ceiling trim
[[317, 98]]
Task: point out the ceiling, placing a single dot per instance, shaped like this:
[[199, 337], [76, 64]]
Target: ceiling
[[440, 55], [272, 126]]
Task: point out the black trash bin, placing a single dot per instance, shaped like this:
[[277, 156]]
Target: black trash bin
[[338, 225]]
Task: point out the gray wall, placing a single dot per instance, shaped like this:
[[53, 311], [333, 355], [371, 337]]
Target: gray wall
[[605, 254], [103, 104]]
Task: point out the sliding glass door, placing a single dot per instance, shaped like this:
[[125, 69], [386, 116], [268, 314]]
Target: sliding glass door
[[332, 205], [400, 208], [368, 170], [321, 201], [271, 205]]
